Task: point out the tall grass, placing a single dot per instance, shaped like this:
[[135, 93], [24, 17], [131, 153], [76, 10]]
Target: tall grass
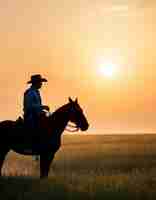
[[87, 167]]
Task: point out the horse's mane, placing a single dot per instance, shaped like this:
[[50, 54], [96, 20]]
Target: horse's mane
[[59, 110]]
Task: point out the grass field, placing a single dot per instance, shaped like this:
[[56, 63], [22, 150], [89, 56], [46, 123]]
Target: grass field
[[87, 167]]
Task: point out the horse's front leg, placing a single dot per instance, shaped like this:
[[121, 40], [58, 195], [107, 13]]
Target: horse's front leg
[[45, 161]]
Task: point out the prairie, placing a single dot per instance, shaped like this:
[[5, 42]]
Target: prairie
[[88, 167]]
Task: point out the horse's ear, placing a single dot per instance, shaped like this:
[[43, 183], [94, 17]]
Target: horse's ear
[[76, 100], [70, 100]]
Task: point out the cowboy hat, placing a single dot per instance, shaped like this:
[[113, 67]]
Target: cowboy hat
[[37, 78]]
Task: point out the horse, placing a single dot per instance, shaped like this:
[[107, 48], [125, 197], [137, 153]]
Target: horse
[[44, 142]]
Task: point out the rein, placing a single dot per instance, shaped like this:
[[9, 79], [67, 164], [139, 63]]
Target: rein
[[74, 128], [69, 128]]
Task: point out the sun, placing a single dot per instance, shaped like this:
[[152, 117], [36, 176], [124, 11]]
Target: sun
[[108, 69]]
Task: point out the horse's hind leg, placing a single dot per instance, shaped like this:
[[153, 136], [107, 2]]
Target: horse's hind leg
[[3, 153]]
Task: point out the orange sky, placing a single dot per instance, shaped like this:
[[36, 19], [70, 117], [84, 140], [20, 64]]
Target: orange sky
[[64, 40]]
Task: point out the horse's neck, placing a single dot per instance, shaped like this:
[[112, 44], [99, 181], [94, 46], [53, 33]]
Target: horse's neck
[[58, 121]]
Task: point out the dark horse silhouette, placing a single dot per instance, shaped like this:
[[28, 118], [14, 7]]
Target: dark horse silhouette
[[44, 142]]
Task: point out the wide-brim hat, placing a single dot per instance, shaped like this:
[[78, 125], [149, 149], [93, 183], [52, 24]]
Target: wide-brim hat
[[37, 78]]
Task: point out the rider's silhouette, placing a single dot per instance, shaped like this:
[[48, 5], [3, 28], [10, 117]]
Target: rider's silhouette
[[32, 103]]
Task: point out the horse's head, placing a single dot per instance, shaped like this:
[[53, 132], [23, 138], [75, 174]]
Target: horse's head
[[76, 115]]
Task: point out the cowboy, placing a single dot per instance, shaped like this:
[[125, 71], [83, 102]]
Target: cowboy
[[33, 108]]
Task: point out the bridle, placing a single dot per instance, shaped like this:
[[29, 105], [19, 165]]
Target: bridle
[[70, 128]]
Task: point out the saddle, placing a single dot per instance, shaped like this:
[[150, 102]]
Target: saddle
[[43, 123]]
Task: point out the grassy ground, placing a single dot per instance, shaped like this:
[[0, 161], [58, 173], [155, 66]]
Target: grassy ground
[[87, 167]]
